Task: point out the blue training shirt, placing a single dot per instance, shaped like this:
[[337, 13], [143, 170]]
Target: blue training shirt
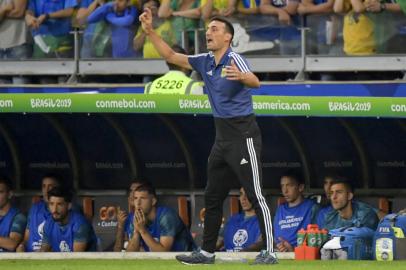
[[35, 224], [227, 98], [240, 232], [321, 215], [12, 222], [363, 215], [289, 220], [166, 223], [62, 237]]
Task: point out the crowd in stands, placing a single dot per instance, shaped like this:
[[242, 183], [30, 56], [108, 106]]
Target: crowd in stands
[[56, 224], [43, 28]]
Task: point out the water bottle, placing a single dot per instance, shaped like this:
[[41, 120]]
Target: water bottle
[[301, 234], [324, 236], [312, 232]]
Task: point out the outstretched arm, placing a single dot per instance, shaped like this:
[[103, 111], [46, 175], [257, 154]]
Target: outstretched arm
[[160, 45]]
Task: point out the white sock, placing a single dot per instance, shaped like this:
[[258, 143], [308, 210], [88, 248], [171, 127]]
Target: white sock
[[207, 254]]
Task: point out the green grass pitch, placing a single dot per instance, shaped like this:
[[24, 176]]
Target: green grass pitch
[[174, 265]]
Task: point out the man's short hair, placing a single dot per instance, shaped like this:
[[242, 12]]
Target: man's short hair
[[295, 175], [138, 181], [229, 25], [6, 181], [177, 49], [55, 177], [61, 193], [147, 187], [344, 181]]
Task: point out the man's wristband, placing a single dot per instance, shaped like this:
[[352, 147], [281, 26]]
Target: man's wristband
[[47, 16]]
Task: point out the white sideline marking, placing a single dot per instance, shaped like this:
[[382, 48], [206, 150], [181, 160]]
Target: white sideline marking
[[130, 255]]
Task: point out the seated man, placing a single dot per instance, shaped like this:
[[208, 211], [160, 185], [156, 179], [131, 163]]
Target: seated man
[[326, 202], [347, 212], [175, 81], [66, 230], [12, 222], [154, 228], [123, 217], [295, 214], [39, 211], [241, 232]]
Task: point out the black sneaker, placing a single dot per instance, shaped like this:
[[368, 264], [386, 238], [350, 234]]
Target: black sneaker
[[195, 258], [264, 257]]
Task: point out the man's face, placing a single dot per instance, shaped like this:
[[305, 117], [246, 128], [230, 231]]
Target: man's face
[[144, 201], [47, 184], [245, 203], [291, 190], [133, 187], [327, 185], [216, 36], [4, 195], [59, 208], [121, 5], [340, 196]]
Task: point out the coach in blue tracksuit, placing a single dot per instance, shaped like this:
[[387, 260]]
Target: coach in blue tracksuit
[[12, 222], [66, 230], [236, 151]]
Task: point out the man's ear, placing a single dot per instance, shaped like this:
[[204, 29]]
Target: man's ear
[[70, 206], [10, 195], [229, 37], [154, 201], [350, 196], [301, 188]]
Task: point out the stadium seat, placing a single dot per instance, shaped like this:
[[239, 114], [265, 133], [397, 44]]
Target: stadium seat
[[87, 205], [183, 210], [384, 205], [234, 205]]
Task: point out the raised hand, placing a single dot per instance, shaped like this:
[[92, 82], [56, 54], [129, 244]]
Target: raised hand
[[146, 20], [233, 73], [139, 221], [121, 216]]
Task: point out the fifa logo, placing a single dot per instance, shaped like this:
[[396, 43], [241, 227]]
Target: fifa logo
[[384, 230]]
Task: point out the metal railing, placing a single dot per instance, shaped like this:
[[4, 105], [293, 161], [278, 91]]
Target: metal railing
[[302, 64]]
